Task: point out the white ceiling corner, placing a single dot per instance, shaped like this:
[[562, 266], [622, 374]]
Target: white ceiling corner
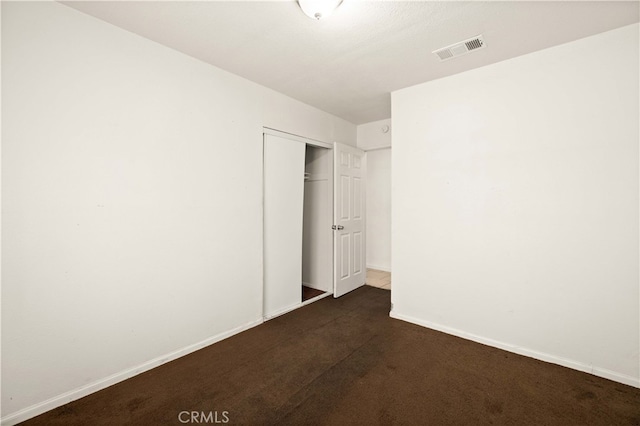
[[348, 64]]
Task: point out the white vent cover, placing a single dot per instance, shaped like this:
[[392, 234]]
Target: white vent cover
[[461, 48]]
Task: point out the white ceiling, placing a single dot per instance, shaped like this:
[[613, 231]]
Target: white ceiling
[[348, 64]]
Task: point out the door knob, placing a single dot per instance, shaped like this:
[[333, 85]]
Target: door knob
[[337, 227]]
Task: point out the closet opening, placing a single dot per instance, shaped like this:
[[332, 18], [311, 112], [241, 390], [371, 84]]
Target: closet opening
[[313, 221], [317, 237], [298, 213]]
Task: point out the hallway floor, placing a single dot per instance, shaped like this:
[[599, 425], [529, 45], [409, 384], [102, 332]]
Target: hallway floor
[[379, 279]]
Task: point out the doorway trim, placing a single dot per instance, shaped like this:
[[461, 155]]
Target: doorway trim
[[303, 139], [330, 208]]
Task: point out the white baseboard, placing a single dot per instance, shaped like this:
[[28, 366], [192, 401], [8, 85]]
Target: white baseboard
[[297, 305], [57, 401], [314, 299], [380, 268], [596, 371], [282, 311]]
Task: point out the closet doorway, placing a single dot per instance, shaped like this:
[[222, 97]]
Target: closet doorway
[[313, 221]]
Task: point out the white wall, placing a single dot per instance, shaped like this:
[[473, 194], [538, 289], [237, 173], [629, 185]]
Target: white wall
[[132, 202], [379, 209], [373, 139], [289, 115], [373, 136], [515, 204]]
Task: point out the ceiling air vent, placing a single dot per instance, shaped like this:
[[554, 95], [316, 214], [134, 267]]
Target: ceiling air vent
[[461, 48]]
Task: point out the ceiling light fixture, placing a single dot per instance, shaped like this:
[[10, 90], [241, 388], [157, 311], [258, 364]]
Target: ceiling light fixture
[[318, 9]]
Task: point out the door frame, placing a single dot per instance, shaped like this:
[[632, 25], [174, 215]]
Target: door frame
[[330, 196], [274, 132]]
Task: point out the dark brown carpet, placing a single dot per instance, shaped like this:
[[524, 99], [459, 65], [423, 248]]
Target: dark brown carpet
[[344, 361], [310, 293]]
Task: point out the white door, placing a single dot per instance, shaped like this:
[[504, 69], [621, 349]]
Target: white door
[[283, 207], [349, 219]]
